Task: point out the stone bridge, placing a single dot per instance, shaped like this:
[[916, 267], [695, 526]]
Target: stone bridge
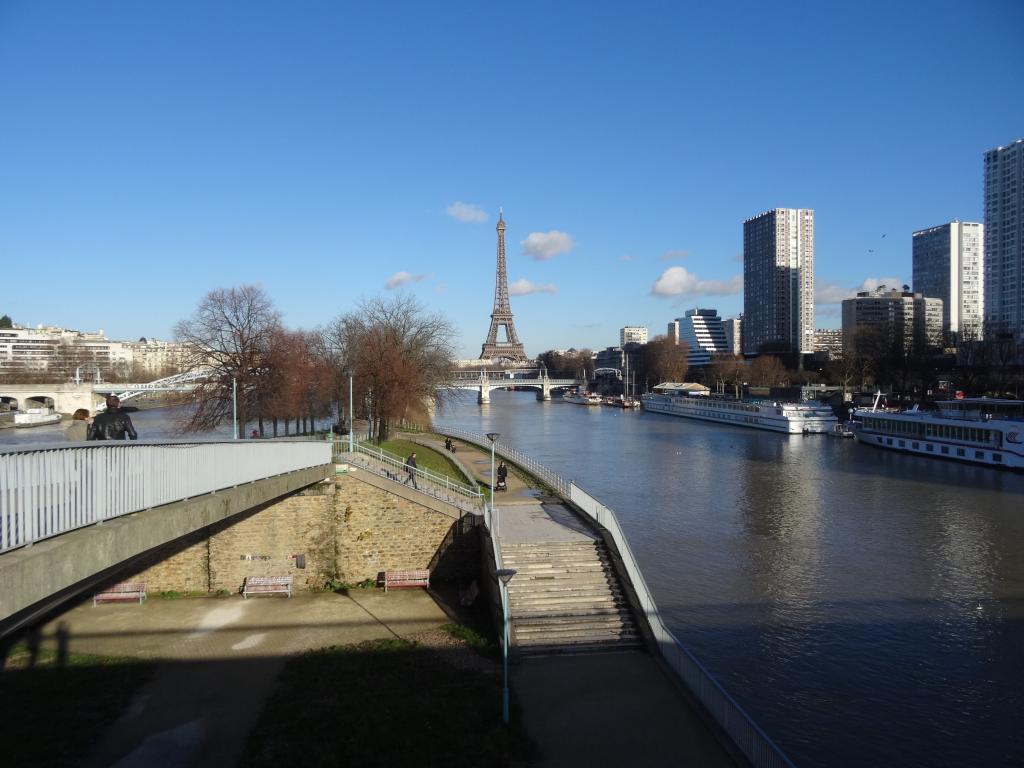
[[484, 381]]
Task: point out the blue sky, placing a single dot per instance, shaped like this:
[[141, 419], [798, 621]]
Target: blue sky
[[152, 152]]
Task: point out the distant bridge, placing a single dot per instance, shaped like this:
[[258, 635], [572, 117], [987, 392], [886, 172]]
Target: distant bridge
[[533, 378]]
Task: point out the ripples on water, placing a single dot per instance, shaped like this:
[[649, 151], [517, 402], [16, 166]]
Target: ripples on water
[[865, 606]]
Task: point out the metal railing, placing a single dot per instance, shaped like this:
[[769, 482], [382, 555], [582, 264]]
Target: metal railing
[[385, 464], [748, 737], [532, 466], [47, 491]]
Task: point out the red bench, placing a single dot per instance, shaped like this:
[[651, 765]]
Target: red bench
[[267, 585], [126, 590], [411, 578]]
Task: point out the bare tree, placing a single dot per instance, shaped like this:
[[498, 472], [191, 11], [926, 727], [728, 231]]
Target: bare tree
[[768, 371], [231, 333], [664, 360], [399, 355]]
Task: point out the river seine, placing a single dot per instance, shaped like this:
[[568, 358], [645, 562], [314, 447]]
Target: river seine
[[866, 607]]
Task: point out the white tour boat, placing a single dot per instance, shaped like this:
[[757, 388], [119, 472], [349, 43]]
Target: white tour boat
[[979, 430], [791, 418], [36, 417], [582, 398]]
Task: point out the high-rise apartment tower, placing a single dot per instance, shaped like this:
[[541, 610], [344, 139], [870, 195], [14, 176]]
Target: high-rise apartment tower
[[1004, 239], [778, 282], [949, 265]]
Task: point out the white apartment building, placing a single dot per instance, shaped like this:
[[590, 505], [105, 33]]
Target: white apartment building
[[908, 322], [701, 330], [830, 341], [949, 265], [632, 334], [778, 282], [733, 328], [1004, 239], [53, 351]]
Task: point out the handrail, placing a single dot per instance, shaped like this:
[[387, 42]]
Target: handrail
[[393, 467], [753, 742], [49, 490]]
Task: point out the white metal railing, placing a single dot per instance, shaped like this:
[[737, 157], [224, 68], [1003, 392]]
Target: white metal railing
[[753, 742], [47, 491], [385, 464]]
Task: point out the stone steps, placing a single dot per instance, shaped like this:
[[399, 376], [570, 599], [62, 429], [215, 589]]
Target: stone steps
[[566, 598]]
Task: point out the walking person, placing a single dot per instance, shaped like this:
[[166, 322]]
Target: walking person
[[502, 476], [113, 423], [410, 468], [78, 430]]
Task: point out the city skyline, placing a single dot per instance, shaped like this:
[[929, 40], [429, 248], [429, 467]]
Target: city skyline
[[332, 155]]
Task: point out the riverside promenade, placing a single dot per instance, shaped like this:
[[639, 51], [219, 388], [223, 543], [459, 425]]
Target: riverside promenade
[[590, 709]]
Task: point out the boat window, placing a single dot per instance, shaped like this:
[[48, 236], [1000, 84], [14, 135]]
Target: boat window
[[997, 457], [961, 452], [979, 454], [945, 449], [917, 446], [930, 448]]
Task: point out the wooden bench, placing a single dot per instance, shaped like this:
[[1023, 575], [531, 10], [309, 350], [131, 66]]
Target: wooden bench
[[126, 590], [267, 585], [417, 578]]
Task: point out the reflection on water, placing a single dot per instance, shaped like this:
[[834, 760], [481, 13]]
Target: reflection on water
[[865, 606]]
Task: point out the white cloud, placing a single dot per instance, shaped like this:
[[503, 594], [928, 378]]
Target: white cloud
[[676, 281], [830, 293], [627, 257], [440, 288], [466, 212], [546, 245], [673, 255], [524, 288], [877, 282], [401, 278]]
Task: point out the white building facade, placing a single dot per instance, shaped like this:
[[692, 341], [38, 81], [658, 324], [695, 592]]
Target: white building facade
[[778, 282], [948, 264], [1004, 239], [632, 334], [906, 321], [733, 328], [701, 330]]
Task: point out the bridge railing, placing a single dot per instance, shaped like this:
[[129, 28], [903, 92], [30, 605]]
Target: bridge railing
[[47, 491], [385, 464], [753, 742]]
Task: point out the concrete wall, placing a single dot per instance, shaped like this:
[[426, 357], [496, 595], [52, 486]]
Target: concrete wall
[[67, 397], [348, 530]]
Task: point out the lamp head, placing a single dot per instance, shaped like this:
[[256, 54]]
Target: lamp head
[[505, 575], [492, 436]]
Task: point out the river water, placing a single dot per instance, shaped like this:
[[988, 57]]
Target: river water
[[864, 606]]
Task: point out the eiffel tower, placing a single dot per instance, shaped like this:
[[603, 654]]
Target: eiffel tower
[[511, 349]]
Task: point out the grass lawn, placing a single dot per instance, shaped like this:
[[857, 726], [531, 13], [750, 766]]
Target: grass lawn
[[385, 703], [426, 458], [52, 715]]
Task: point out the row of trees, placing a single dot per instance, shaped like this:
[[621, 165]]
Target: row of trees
[[395, 353]]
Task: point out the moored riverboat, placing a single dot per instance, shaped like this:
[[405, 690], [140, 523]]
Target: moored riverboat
[[977, 430], [36, 417], [581, 398], [774, 416]]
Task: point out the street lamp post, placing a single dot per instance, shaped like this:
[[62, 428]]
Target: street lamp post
[[493, 436], [504, 577], [351, 419], [234, 405]]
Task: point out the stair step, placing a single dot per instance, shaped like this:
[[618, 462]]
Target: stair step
[[555, 629], [575, 640]]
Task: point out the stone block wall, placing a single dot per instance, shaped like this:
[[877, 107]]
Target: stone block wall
[[346, 530]]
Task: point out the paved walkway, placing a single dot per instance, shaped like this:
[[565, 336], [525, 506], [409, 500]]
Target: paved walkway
[[607, 709], [222, 657]]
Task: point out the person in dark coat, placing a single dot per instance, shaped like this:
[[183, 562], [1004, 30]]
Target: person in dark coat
[[113, 423], [502, 476], [410, 467]]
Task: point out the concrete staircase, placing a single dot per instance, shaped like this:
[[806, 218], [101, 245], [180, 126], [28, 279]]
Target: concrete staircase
[[566, 598]]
